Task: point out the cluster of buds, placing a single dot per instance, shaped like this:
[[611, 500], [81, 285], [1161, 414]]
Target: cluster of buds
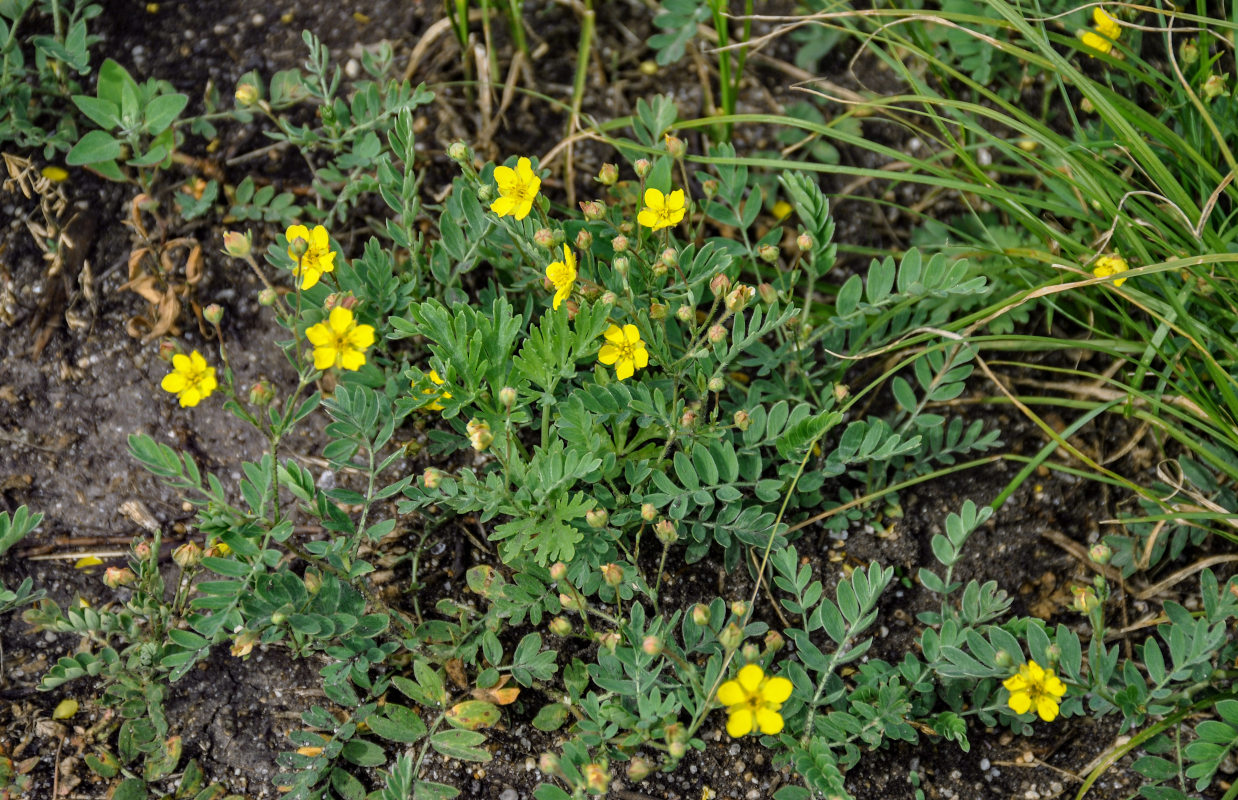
[[479, 434], [739, 298], [341, 299]]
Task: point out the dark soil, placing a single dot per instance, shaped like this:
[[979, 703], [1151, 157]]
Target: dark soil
[[72, 392]]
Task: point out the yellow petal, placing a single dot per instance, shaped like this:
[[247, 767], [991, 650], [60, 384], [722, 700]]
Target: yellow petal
[[503, 206], [770, 722], [562, 295], [1096, 42], [1035, 673], [505, 177], [319, 239], [624, 369], [309, 277], [324, 357], [524, 170], [731, 693], [361, 337], [181, 362], [631, 334], [641, 357], [739, 723], [609, 354], [352, 359], [523, 208], [1105, 24], [674, 201], [295, 232], [174, 382], [776, 690], [208, 383], [1046, 708], [319, 335], [197, 361], [1020, 702], [65, 709], [1015, 683], [87, 561], [569, 258], [614, 335], [190, 397], [750, 678], [654, 199], [557, 274], [340, 320], [1054, 685], [647, 218]]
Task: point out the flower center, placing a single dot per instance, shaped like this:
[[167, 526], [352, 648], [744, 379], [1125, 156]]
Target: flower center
[[627, 352]]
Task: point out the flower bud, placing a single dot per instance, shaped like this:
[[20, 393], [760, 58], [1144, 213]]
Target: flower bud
[[612, 575], [592, 209], [651, 645], [1053, 653], [568, 602], [638, 769], [597, 518], [739, 298], [298, 247], [458, 152], [432, 477], [657, 311], [767, 253], [479, 433], [648, 513], [841, 392], [750, 652], [688, 418], [774, 641], [720, 284], [1214, 86], [767, 293], [544, 237], [244, 643], [675, 146], [267, 297], [1085, 105], [548, 764], [485, 193], [1188, 53], [313, 581], [716, 384], [626, 228], [1100, 553], [115, 577], [1085, 601], [609, 298], [238, 245], [584, 240], [261, 393], [716, 333], [676, 750], [246, 95], [665, 531], [608, 175], [187, 555], [609, 641], [642, 166], [739, 608], [327, 114], [700, 614], [167, 349], [1003, 659], [742, 419], [658, 268], [619, 244], [142, 551], [675, 732], [597, 779], [558, 571], [709, 186], [507, 397], [669, 257], [684, 313], [620, 265], [803, 242], [560, 626]]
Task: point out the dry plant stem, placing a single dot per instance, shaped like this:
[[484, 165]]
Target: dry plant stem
[[1185, 572], [578, 96]]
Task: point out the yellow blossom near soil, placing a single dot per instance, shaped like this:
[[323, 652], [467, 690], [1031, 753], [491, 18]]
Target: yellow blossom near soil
[[318, 257], [340, 341], [563, 275], [625, 350], [85, 562], [1105, 32], [753, 700], [1035, 687], [436, 405], [191, 379], [517, 189], [662, 210], [65, 709], [1110, 265], [54, 173]]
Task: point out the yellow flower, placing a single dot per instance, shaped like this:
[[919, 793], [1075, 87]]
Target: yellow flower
[[563, 275], [340, 341], [1036, 687], [753, 700], [436, 405], [625, 350], [1105, 33], [518, 188], [1110, 265], [190, 379], [318, 257], [661, 211]]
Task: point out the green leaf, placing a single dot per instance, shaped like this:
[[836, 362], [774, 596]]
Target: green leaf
[[363, 753], [130, 789], [349, 788], [429, 790], [94, 147], [103, 113], [461, 745], [163, 110], [397, 723], [551, 717]]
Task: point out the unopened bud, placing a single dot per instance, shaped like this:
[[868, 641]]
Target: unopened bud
[[261, 393], [676, 750], [803, 242], [584, 240], [620, 265], [597, 779], [1188, 53], [651, 645], [568, 602], [244, 643], [560, 626], [544, 237], [716, 333], [558, 571], [720, 284], [841, 392], [298, 247], [608, 175], [609, 641], [700, 614], [739, 298], [592, 209], [609, 298], [658, 268], [675, 732], [1214, 86], [597, 518], [167, 349], [1085, 105], [548, 764], [739, 608], [1003, 659], [279, 618], [1100, 553], [246, 94], [507, 397], [1054, 653], [774, 641], [675, 146], [657, 311], [648, 513], [485, 193], [709, 186], [767, 253], [479, 433], [313, 581], [742, 419], [237, 244], [115, 577], [665, 531], [458, 152], [612, 574], [142, 551], [684, 313], [716, 384], [187, 555], [433, 477], [1086, 600], [642, 167], [669, 257], [267, 297], [688, 418], [750, 652], [619, 244], [638, 769]]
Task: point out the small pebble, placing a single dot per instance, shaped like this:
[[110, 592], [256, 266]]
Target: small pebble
[[508, 794]]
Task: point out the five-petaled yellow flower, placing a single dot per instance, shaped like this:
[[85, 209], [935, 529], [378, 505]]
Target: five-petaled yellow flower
[[563, 275], [340, 341], [625, 350], [753, 700], [318, 257], [1035, 687], [191, 379], [662, 210], [518, 189], [1110, 265], [437, 381], [1104, 34]]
